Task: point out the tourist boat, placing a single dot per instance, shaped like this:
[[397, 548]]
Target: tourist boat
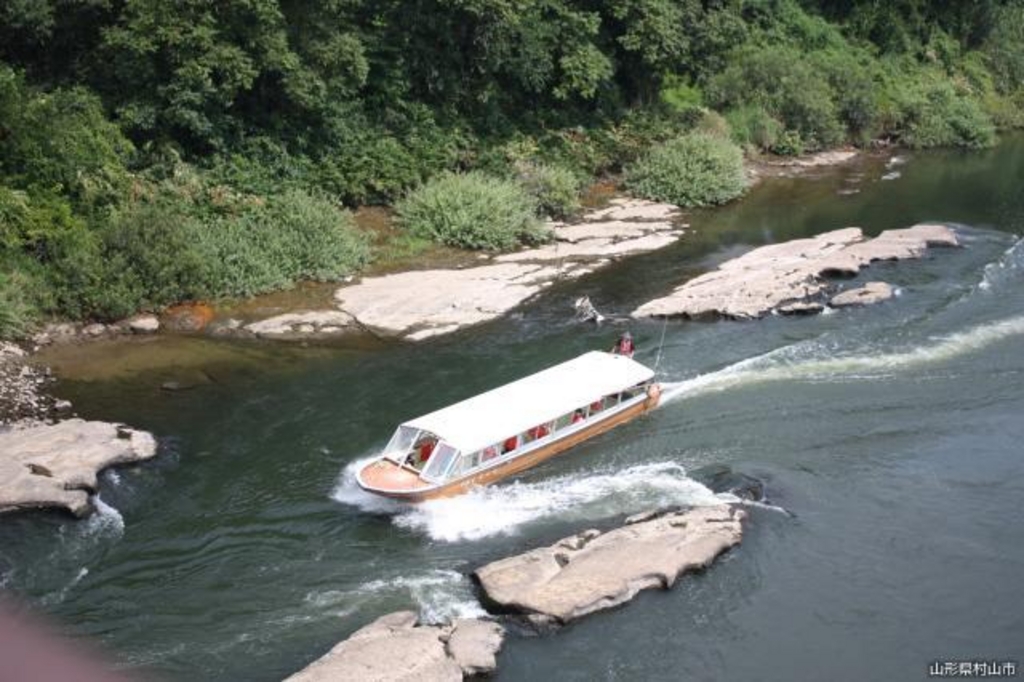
[[510, 428]]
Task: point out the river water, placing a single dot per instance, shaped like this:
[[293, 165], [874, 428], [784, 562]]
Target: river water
[[889, 440]]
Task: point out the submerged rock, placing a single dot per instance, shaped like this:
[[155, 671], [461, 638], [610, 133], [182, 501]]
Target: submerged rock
[[722, 479], [872, 292], [302, 325], [592, 571], [394, 648], [189, 317], [55, 465], [791, 277]]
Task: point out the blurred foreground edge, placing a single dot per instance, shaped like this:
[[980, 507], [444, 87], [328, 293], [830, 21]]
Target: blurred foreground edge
[[31, 650]]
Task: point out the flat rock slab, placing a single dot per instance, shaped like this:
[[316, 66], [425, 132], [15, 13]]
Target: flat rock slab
[[422, 304], [302, 325], [871, 292], [592, 570], [394, 648], [55, 465], [792, 276]]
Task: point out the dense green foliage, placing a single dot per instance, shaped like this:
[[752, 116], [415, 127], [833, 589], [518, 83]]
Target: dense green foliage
[[472, 211], [697, 169], [150, 150]]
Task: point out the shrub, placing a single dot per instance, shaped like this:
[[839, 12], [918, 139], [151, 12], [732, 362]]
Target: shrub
[[471, 210], [753, 128], [295, 236], [152, 253], [934, 114], [555, 189], [18, 292], [693, 170], [783, 83]]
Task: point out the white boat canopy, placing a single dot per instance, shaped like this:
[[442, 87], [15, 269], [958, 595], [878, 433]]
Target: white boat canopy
[[511, 409]]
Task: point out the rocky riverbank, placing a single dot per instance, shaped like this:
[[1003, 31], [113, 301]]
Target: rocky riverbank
[[419, 304], [53, 465]]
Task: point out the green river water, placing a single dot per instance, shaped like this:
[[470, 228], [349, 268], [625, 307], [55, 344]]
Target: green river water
[[889, 440]]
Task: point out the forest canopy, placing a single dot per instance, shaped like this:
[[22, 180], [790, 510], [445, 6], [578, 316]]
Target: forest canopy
[[145, 124]]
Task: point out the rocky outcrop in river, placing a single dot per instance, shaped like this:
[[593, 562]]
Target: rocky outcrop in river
[[793, 277], [591, 571], [394, 648], [420, 304], [55, 465]]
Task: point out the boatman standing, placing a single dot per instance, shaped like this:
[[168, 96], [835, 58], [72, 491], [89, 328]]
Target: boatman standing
[[624, 346]]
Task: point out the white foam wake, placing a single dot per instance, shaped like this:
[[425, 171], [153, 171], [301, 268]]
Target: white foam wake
[[440, 595], [505, 508], [1004, 271], [803, 361], [105, 521]]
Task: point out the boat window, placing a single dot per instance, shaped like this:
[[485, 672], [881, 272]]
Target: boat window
[[537, 432], [510, 444], [467, 463], [564, 421], [402, 441], [633, 392], [490, 452], [440, 461], [611, 401]]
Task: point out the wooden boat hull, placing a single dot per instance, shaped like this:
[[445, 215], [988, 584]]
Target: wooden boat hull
[[512, 466]]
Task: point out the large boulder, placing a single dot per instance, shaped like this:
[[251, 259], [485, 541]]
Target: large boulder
[[791, 277], [55, 465], [592, 570], [394, 648]]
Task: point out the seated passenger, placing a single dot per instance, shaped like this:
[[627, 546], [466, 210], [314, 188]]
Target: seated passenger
[[596, 406], [577, 417], [489, 453], [510, 444], [424, 448]]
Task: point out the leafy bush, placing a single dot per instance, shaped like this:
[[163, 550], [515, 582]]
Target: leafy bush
[[693, 170], [471, 210], [18, 294], [152, 253], [555, 189], [782, 82], [934, 114]]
